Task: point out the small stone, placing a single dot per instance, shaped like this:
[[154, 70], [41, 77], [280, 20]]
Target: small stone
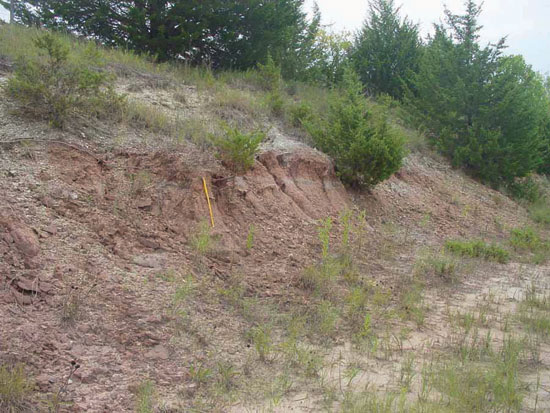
[[159, 352], [154, 319], [25, 240], [149, 261], [46, 287], [22, 299], [149, 243], [28, 285], [44, 380], [7, 238], [145, 203], [51, 229]]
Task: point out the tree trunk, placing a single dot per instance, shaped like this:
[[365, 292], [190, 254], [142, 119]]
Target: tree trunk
[[12, 11]]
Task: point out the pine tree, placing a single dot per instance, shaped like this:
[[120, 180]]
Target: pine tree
[[483, 110], [387, 49], [223, 33], [364, 147], [545, 130]]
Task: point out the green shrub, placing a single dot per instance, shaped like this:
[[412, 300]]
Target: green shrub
[[237, 150], [321, 278], [525, 239], [478, 249], [440, 265], [540, 212], [365, 148], [300, 113], [275, 102], [324, 318], [263, 343], [270, 75], [50, 85], [525, 189]]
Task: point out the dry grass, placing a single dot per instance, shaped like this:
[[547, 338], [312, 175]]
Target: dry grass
[[16, 391]]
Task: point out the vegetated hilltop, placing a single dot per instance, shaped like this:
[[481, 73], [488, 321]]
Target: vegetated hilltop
[[428, 292]]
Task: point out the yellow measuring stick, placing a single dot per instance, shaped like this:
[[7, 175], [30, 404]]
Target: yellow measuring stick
[[208, 200]]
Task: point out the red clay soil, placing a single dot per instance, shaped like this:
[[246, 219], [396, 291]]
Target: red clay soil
[[109, 228], [70, 222]]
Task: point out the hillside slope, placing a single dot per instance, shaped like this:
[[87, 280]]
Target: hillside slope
[[108, 261]]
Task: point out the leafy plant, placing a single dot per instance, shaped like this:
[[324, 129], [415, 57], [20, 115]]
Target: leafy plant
[[51, 85], [540, 211], [325, 317], [478, 249], [250, 237], [199, 373], [270, 75], [202, 240], [440, 265], [525, 239], [385, 37], [300, 113], [226, 375], [261, 338], [525, 189], [365, 148], [183, 292], [483, 110], [237, 149], [346, 230]]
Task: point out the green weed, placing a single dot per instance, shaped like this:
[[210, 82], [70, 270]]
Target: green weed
[[411, 302], [534, 311], [145, 397], [261, 338], [250, 237], [493, 386], [527, 240], [183, 291], [15, 389], [202, 240], [478, 249], [304, 359], [540, 211], [324, 319], [199, 374], [226, 375], [439, 266]]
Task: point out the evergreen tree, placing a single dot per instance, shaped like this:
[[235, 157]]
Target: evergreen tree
[[545, 130], [366, 150], [225, 33], [387, 49], [484, 111]]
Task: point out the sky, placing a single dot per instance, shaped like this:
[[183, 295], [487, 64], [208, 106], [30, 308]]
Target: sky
[[525, 22]]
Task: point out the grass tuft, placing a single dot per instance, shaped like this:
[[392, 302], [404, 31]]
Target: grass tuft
[[478, 249], [15, 389]]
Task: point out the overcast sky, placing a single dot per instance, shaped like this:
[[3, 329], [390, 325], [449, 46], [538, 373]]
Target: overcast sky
[[525, 22]]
